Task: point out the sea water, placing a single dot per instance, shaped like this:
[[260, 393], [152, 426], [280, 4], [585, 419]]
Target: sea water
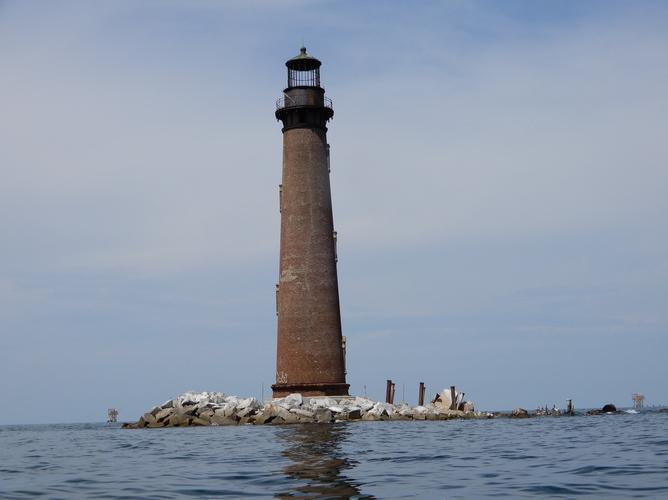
[[601, 456]]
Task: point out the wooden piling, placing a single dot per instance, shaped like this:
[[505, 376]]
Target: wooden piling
[[421, 394], [453, 400]]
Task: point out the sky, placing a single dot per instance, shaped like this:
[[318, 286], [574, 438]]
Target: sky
[[499, 177]]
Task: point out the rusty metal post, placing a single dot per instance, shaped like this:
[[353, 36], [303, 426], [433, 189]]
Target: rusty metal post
[[392, 394], [421, 395], [453, 402], [388, 390]]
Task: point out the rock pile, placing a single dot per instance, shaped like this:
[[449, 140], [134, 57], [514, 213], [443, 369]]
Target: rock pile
[[606, 410], [215, 408], [519, 413]]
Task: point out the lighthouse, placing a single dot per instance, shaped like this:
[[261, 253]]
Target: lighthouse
[[310, 354]]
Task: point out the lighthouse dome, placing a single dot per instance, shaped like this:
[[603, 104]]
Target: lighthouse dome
[[303, 61]]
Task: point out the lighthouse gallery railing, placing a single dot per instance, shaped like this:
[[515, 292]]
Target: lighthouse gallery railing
[[301, 100]]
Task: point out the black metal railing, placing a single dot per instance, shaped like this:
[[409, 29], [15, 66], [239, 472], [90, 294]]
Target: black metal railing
[[302, 100]]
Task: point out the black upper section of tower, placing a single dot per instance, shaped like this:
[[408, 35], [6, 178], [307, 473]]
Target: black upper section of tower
[[304, 104]]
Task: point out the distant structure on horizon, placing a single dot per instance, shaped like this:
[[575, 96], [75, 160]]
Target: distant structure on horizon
[[638, 400], [310, 357], [112, 415]]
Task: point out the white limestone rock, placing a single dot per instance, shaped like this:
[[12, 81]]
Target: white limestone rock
[[231, 400], [293, 400], [316, 403], [443, 398], [382, 409], [302, 412], [216, 408], [247, 411], [198, 397], [252, 403], [363, 403], [405, 411]]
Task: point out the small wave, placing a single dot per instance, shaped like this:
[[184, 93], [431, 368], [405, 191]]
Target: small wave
[[549, 489]]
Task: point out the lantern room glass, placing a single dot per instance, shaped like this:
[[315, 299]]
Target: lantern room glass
[[301, 78]]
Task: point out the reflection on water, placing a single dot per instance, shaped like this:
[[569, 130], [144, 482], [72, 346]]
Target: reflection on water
[[318, 462]]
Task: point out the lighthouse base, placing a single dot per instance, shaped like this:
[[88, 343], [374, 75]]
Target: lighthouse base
[[334, 389]]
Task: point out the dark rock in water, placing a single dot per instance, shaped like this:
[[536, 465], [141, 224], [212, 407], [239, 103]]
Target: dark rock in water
[[355, 414], [609, 408], [664, 410], [519, 413]]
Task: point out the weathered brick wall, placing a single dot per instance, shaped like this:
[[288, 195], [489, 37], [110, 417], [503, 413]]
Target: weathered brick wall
[[309, 353]]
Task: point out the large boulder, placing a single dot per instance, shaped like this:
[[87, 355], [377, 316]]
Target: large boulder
[[196, 421], [163, 414], [227, 409], [382, 409], [609, 408], [293, 400], [246, 412], [219, 418], [263, 418], [363, 403], [320, 402], [420, 412], [248, 403], [369, 416], [301, 412], [444, 399], [323, 415], [206, 413], [149, 418], [355, 414]]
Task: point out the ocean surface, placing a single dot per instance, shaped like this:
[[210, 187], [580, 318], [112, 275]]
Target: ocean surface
[[599, 456]]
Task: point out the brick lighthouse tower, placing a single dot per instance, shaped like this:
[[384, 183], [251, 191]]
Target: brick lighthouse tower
[[310, 356]]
